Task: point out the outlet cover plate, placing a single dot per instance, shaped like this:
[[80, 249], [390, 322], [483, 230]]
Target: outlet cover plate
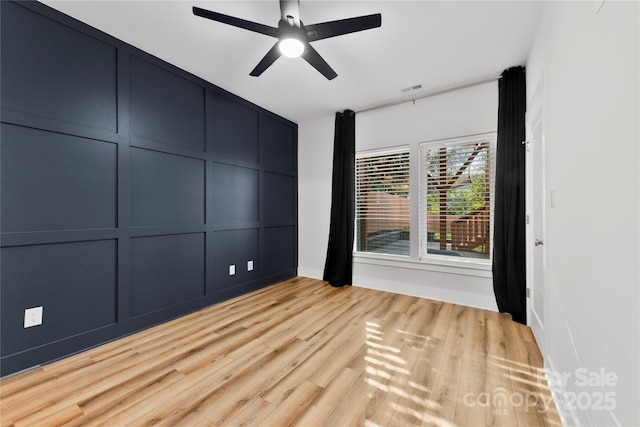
[[250, 265], [32, 317], [232, 269]]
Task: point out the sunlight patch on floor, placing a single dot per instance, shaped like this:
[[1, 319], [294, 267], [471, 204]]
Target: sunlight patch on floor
[[392, 357], [387, 365]]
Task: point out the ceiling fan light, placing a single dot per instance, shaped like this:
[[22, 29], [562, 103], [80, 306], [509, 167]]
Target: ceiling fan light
[[291, 47]]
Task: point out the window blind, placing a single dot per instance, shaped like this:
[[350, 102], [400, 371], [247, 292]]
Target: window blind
[[382, 202], [456, 188]]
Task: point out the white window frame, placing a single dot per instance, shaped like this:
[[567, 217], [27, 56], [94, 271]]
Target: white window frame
[[465, 140], [435, 263], [382, 152]]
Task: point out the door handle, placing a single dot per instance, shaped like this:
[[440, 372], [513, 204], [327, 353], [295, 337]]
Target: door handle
[[538, 242]]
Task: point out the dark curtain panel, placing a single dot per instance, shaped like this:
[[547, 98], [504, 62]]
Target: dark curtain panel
[[339, 264], [509, 280]]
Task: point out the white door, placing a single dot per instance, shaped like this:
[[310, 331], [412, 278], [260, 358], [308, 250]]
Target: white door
[[536, 196]]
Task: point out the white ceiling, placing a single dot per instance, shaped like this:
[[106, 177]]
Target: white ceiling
[[438, 44]]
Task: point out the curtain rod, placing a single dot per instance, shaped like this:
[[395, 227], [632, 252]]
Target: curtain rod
[[427, 95]]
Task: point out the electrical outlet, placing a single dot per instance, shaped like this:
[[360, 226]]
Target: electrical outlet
[[32, 317], [232, 269], [250, 265]]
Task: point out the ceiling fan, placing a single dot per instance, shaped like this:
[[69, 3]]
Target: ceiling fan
[[293, 36]]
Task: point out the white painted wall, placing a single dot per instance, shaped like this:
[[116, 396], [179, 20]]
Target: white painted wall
[[315, 163], [459, 113], [589, 61]]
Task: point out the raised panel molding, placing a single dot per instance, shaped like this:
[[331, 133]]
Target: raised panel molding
[[279, 198], [235, 191], [128, 187], [280, 145], [166, 189], [52, 181], [237, 248], [165, 107], [75, 283], [53, 80], [234, 129], [279, 254], [165, 271]]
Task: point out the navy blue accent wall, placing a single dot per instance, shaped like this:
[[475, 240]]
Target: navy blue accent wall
[[128, 187]]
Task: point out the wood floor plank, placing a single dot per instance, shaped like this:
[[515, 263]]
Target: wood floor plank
[[24, 381], [108, 404], [59, 417], [254, 414], [422, 408], [232, 398], [314, 366], [295, 406], [42, 395], [445, 387], [297, 353], [339, 358], [389, 365], [473, 374], [526, 377], [442, 318], [188, 394], [498, 378], [358, 396], [321, 411]]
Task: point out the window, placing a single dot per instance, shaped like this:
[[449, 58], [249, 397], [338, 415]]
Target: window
[[382, 202], [456, 197]]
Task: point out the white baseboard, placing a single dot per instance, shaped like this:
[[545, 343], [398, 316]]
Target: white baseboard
[[437, 294], [441, 293]]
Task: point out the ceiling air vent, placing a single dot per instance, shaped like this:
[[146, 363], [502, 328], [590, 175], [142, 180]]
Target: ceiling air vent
[[410, 88]]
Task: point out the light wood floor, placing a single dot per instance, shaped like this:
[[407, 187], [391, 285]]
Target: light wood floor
[[299, 353]]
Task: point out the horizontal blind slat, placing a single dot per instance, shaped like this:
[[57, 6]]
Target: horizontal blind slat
[[457, 176], [382, 201]]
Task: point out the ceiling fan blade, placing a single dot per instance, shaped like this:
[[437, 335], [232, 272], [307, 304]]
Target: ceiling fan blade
[[324, 30], [236, 22], [313, 57], [269, 58]]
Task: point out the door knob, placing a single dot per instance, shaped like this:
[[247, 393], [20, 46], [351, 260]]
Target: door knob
[[537, 242]]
